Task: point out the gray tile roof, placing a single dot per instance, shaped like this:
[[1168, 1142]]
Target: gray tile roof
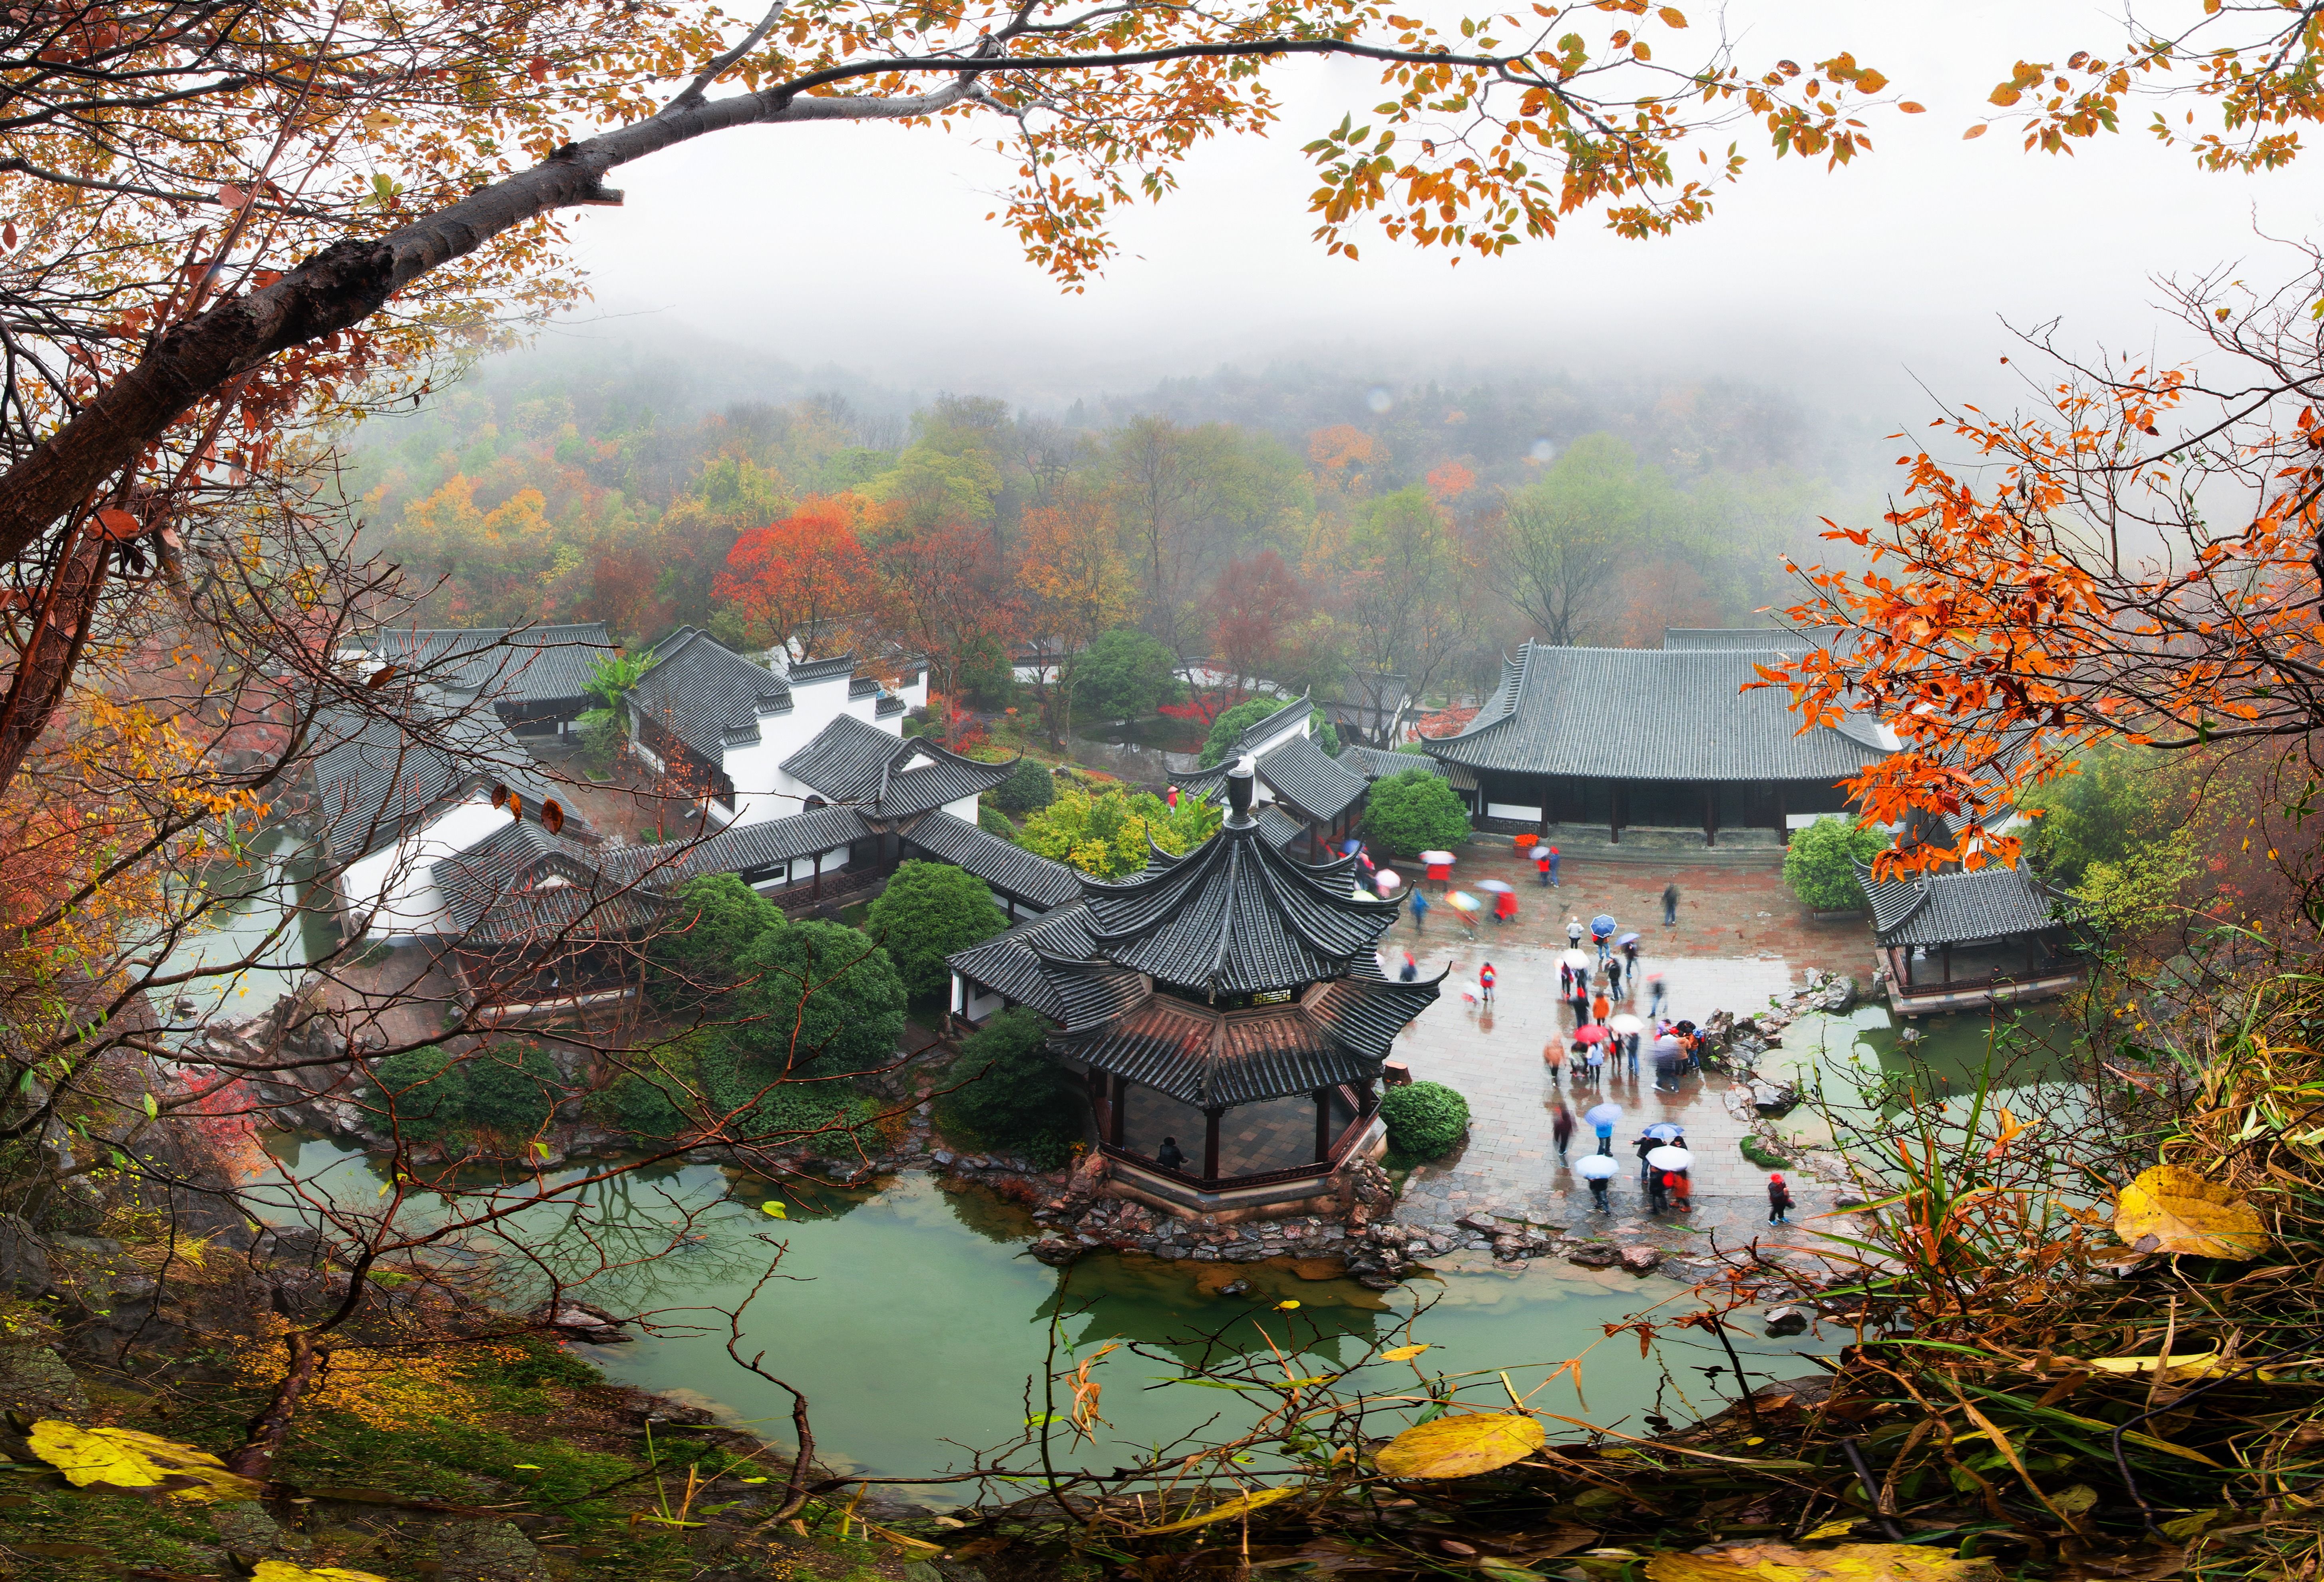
[[1201, 1058], [1298, 772], [1010, 964], [1756, 639], [1004, 864], [853, 761], [374, 776], [1650, 714], [1276, 828], [1958, 908], [519, 856], [710, 697], [739, 848], [526, 664], [1237, 916], [1378, 764], [803, 671]]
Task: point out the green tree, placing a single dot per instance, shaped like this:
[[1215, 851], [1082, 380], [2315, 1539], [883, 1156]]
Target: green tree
[[1416, 811], [816, 998], [1819, 863], [1232, 723], [1028, 791], [425, 1092], [770, 1106], [2118, 801], [928, 911], [713, 923], [1565, 537], [1010, 1094], [512, 1089], [613, 675], [1325, 733], [1125, 674], [1106, 835], [652, 1098]]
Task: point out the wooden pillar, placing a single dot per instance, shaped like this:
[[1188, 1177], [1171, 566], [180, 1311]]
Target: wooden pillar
[[1211, 1143], [1783, 814], [1322, 1125], [1945, 957], [1118, 1111], [1614, 812], [816, 895], [1711, 815]]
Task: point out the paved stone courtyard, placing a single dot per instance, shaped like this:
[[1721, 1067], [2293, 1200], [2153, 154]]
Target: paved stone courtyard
[[1741, 938]]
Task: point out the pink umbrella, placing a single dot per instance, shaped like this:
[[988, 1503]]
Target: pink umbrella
[[1590, 1032]]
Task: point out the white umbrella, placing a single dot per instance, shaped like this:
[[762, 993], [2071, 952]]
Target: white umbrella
[[1578, 959], [1387, 881], [1667, 1131], [1626, 1022], [1596, 1167], [1498, 887], [1436, 858], [1670, 1159], [1604, 1114]]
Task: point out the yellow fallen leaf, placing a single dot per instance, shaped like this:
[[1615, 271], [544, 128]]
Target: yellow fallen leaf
[[2170, 1210], [1226, 1510], [285, 1571], [1398, 1354], [125, 1458], [2205, 1363], [1461, 1447], [1846, 1524], [1843, 1562]]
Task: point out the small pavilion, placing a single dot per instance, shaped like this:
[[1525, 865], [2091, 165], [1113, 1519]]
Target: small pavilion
[[1967, 938], [1230, 999]]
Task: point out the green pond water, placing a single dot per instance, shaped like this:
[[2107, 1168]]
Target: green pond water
[[917, 1326]]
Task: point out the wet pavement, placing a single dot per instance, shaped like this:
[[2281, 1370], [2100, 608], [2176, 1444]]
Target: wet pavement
[[1493, 1053]]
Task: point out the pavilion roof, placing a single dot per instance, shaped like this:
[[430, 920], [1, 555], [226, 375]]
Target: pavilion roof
[[1235, 916], [1960, 907]]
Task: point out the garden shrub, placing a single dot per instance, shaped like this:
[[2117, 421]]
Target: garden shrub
[[1416, 811], [650, 1100], [427, 1092], [600, 732], [993, 821], [928, 911], [1819, 863], [1029, 789], [1232, 723], [1011, 1095], [511, 1089], [788, 1109], [1423, 1119]]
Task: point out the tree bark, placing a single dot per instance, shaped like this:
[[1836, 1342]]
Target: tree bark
[[262, 1436]]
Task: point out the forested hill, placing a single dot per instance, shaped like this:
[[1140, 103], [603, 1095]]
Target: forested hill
[[1422, 528]]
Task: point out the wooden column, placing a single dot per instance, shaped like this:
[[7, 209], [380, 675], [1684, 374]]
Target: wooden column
[[1711, 815], [816, 895], [1782, 815], [1322, 1125], [1118, 1111], [1614, 813], [1945, 957], [1210, 1144]]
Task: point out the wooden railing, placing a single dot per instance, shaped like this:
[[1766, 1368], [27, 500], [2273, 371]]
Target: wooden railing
[[1313, 1170]]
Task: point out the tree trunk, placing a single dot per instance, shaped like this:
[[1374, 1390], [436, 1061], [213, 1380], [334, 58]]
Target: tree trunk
[[262, 1436]]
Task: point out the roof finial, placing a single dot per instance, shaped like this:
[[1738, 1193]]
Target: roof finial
[[1240, 780]]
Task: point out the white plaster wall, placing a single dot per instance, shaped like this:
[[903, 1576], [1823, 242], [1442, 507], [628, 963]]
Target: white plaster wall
[[1530, 812], [391, 894]]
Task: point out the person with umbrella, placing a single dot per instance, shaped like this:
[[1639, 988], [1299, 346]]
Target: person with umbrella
[[1604, 1119], [1628, 1028], [1602, 930], [1504, 907], [1464, 907], [1593, 1051], [1543, 856], [1668, 1052], [1598, 1172], [1674, 1163], [1628, 943]]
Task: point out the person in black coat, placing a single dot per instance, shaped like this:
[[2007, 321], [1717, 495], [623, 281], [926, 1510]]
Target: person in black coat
[[1779, 1200]]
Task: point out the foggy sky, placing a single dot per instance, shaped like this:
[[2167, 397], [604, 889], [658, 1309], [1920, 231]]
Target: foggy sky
[[866, 247]]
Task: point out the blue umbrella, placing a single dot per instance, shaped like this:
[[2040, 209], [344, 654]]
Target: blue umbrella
[[1604, 1114], [1666, 1130], [1601, 927]]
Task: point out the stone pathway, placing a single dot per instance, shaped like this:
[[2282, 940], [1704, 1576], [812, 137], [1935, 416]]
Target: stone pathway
[[1509, 1166]]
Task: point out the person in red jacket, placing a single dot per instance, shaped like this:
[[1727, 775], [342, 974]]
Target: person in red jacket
[[1486, 977]]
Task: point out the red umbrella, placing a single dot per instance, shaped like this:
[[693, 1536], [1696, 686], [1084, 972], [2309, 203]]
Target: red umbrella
[[1590, 1032]]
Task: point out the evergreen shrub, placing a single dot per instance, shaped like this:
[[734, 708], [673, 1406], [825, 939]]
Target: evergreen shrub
[[1423, 1119]]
